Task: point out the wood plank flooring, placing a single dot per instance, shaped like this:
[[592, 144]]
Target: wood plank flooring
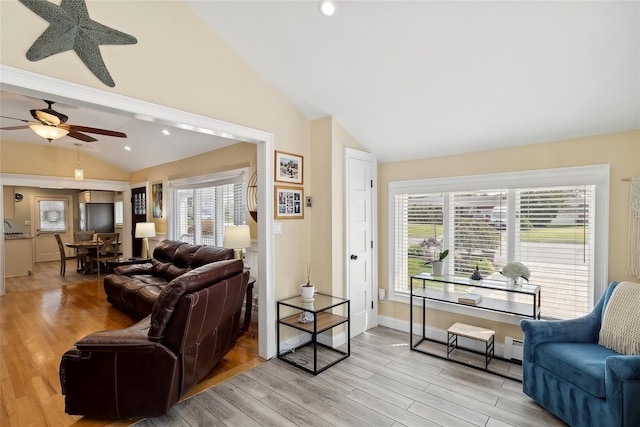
[[39, 324], [382, 383]]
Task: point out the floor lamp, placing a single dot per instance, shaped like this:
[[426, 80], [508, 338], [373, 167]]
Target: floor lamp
[[237, 237], [145, 230]]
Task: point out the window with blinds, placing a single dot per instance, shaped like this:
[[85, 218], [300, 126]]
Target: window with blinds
[[202, 208], [548, 228]]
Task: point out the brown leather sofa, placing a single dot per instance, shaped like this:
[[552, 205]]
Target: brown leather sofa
[[143, 370], [135, 287]]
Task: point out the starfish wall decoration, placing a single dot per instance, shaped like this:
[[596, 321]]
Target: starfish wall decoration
[[72, 28]]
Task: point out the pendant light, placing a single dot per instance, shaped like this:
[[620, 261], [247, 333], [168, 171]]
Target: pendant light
[[79, 173]]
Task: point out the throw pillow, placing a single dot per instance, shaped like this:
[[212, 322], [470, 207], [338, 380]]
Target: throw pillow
[[620, 329]]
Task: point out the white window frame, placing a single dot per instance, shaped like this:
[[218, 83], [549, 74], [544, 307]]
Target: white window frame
[[597, 175], [218, 178]]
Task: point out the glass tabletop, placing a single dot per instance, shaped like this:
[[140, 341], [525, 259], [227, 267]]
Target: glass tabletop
[[525, 288], [320, 302]]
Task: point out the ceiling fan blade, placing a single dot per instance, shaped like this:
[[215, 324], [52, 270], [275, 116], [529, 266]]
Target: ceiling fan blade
[[15, 128], [94, 130], [13, 118], [81, 136]]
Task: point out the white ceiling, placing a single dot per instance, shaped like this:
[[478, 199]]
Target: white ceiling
[[409, 79], [412, 79], [149, 146]]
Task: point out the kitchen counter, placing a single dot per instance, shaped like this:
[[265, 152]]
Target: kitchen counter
[[18, 255]]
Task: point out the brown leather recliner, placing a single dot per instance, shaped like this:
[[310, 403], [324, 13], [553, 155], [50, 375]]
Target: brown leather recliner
[[143, 370]]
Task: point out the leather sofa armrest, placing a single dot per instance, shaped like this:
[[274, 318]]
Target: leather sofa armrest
[[134, 338]]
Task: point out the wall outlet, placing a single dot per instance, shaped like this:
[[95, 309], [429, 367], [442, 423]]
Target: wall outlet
[[27, 223]]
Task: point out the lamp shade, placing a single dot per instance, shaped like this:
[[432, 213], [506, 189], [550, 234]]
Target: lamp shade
[[145, 229], [49, 132], [236, 237]]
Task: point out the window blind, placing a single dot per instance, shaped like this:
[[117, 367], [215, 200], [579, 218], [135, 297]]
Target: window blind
[[549, 229], [201, 208]]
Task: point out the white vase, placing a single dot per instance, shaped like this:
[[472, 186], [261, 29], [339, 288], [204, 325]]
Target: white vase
[[438, 267], [307, 292]]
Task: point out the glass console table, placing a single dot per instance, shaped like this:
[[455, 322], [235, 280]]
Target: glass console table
[[322, 315], [496, 295]]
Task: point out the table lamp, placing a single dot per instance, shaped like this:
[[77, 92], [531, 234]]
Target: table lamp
[[237, 237], [145, 230]]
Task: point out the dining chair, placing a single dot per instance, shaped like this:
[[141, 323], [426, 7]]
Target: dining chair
[[63, 255], [108, 248], [83, 254]]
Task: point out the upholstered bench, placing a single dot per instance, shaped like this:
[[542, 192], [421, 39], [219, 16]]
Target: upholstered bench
[[472, 332]]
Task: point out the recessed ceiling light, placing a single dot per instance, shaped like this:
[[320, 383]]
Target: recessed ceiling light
[[166, 132], [327, 7], [126, 147]]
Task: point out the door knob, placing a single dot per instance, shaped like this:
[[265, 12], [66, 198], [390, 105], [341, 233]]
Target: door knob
[[354, 257]]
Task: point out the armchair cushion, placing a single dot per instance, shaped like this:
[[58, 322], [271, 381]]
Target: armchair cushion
[[582, 364]]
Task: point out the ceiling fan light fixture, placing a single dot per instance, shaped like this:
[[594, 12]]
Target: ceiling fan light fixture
[[47, 118], [49, 132], [327, 7]]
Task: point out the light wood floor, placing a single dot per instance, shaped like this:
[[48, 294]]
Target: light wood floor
[[383, 383], [38, 325]]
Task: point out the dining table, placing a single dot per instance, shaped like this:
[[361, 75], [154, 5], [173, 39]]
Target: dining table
[[91, 246]]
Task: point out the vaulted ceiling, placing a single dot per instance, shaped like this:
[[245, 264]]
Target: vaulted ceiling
[[413, 79]]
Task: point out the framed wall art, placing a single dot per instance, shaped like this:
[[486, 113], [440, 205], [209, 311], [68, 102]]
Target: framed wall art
[[288, 168], [288, 203], [156, 200]]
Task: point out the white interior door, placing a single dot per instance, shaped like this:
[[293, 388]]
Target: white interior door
[[51, 215], [360, 224]]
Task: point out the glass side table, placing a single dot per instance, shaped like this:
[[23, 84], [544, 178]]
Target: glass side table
[[313, 319]]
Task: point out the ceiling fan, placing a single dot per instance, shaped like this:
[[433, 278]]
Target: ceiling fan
[[51, 124]]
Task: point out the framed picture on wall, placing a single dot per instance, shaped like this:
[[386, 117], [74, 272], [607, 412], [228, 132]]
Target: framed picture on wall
[[288, 168], [156, 200], [288, 203]]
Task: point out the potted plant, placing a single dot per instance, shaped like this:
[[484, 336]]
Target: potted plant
[[438, 264], [307, 290]]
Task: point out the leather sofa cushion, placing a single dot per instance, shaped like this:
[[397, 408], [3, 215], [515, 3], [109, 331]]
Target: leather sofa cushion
[[192, 281], [583, 364], [146, 298], [206, 254]]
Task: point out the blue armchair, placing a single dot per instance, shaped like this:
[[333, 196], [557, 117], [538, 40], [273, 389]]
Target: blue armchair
[[583, 383]]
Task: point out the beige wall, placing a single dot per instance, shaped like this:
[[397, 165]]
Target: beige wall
[[328, 141], [621, 151], [180, 63]]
